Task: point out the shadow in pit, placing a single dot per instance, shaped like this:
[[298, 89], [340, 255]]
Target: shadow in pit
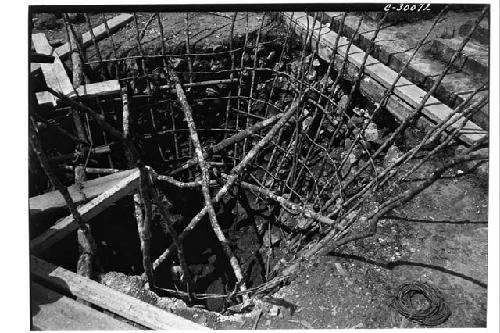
[[392, 265]]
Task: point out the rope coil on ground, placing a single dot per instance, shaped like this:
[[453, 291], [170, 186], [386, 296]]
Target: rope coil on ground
[[435, 313]]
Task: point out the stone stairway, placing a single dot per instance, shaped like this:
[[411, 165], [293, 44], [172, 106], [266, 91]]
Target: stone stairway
[[395, 44]]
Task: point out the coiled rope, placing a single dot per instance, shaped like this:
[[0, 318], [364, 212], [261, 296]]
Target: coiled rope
[[436, 312]]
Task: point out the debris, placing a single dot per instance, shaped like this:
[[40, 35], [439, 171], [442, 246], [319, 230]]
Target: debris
[[371, 132], [306, 123], [274, 311], [311, 76], [202, 320], [392, 155], [76, 17], [483, 170], [271, 239], [178, 63], [256, 322], [241, 308], [359, 112], [44, 21], [341, 269], [342, 105], [306, 324]]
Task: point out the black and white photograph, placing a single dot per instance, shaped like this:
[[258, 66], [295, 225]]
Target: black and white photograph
[[258, 166]]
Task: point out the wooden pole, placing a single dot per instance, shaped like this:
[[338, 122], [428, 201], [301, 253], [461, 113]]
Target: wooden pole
[[144, 225], [86, 242], [175, 238], [142, 198], [205, 177], [84, 266]]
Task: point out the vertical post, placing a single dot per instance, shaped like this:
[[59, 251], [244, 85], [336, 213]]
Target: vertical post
[[116, 76], [104, 73], [165, 67], [144, 224], [110, 36], [205, 178], [231, 75], [254, 67], [86, 242], [242, 72], [188, 50], [141, 198], [76, 60], [190, 69], [283, 50], [141, 52]]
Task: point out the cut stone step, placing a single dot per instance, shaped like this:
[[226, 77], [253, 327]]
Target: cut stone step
[[393, 49], [472, 60], [481, 117], [481, 34], [377, 77]]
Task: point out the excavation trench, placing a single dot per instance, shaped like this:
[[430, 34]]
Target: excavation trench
[[321, 160], [252, 225]]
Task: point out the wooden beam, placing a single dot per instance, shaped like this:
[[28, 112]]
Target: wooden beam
[[377, 78], [54, 73], [100, 33], [53, 311], [87, 211], [104, 297], [43, 203], [104, 88]]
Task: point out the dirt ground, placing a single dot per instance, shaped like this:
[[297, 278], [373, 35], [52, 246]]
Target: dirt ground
[[440, 238], [205, 30]]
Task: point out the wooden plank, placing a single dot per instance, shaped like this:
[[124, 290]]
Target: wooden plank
[[100, 88], [54, 73], [79, 193], [93, 292], [53, 311], [67, 225], [379, 74], [35, 67], [100, 33], [104, 88]]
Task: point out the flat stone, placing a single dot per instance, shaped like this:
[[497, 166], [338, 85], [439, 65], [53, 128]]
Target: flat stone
[[481, 34]]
